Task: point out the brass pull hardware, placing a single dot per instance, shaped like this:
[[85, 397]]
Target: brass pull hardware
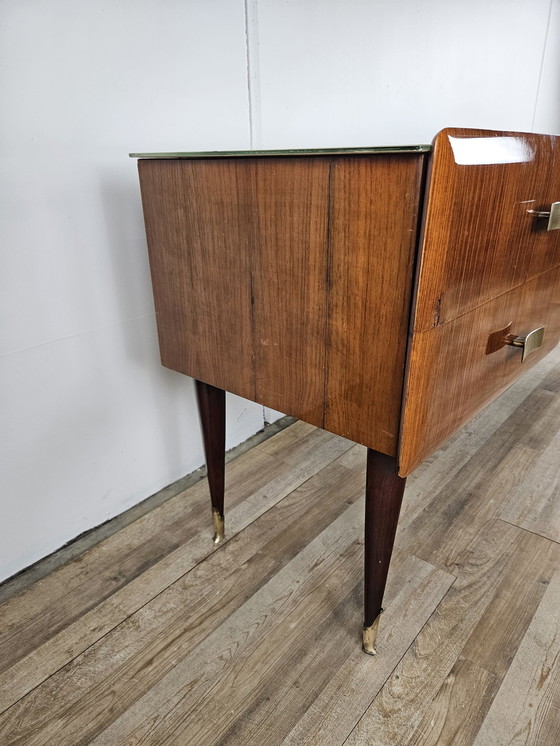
[[553, 216], [529, 343]]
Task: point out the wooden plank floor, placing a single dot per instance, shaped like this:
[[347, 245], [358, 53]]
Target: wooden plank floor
[[154, 636]]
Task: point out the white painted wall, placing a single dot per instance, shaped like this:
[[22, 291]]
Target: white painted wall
[[333, 73], [91, 423]]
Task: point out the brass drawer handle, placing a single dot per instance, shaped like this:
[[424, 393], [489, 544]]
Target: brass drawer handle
[[529, 343], [553, 216]]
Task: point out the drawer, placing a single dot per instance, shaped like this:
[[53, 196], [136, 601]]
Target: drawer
[[457, 368], [480, 239]]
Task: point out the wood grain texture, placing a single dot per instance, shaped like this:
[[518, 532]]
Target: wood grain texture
[[454, 716], [184, 710], [77, 702], [450, 375], [257, 641], [191, 260], [278, 641], [534, 505], [505, 464], [384, 494], [61, 616], [373, 234], [289, 223], [352, 686], [212, 413], [238, 261], [526, 710], [288, 281], [479, 240], [395, 714], [515, 602]]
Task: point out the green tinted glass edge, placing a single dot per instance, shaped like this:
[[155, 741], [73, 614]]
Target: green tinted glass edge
[[302, 151]]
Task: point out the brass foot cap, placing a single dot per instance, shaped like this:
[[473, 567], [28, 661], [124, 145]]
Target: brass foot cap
[[219, 528], [369, 637]]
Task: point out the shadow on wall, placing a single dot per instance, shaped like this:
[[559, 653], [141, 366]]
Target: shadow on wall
[[173, 399], [126, 244]]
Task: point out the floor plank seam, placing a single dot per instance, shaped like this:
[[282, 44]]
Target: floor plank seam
[[372, 698], [123, 621], [397, 664], [403, 548], [443, 568], [15, 584], [528, 531], [212, 551], [359, 720], [478, 665]]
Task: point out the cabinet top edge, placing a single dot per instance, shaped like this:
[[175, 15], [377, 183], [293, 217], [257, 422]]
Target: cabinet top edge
[[294, 152]]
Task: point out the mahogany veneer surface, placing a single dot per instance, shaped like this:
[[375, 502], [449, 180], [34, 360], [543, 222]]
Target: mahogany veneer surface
[[288, 281], [452, 376], [479, 238], [310, 284], [485, 264]]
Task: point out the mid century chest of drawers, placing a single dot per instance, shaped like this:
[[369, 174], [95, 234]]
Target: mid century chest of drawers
[[384, 294]]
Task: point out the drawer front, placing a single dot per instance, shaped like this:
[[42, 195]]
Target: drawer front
[[459, 367], [482, 234]]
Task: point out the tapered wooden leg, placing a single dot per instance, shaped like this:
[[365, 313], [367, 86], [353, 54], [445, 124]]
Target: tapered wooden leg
[[212, 412], [384, 493]]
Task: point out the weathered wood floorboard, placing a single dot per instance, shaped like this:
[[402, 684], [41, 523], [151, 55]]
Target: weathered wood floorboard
[[154, 636], [526, 709], [40, 646]]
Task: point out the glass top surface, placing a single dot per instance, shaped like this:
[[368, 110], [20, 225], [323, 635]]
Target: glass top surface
[[301, 151]]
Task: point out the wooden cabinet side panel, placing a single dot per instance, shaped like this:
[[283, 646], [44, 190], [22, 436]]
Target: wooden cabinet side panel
[[288, 281], [199, 252], [238, 255], [289, 270], [373, 235], [451, 377]]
